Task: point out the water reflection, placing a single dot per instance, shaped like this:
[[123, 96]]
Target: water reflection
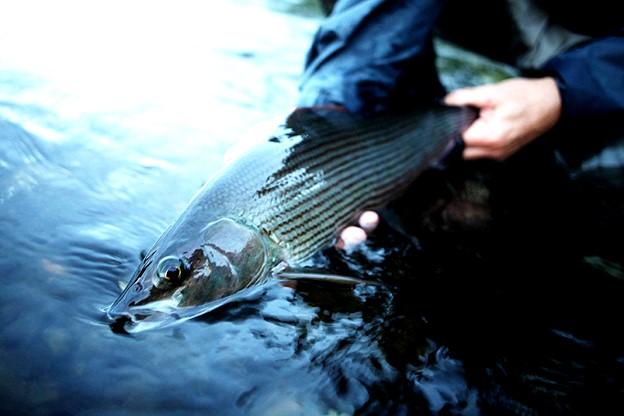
[[508, 302]]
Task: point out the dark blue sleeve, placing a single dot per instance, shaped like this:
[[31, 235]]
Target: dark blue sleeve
[[591, 79], [373, 55]]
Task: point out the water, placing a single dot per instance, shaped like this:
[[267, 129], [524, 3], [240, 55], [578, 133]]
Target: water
[[112, 116]]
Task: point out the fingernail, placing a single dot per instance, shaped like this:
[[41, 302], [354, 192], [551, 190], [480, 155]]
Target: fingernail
[[351, 237], [369, 220]]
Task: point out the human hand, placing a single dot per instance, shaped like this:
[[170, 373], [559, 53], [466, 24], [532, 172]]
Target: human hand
[[512, 114], [352, 236]]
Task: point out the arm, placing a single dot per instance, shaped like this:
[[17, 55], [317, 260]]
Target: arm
[[591, 78], [370, 56], [585, 84], [373, 55]]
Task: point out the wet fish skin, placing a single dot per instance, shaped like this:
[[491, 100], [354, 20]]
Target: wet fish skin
[[281, 203]]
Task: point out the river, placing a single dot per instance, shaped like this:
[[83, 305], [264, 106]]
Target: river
[[506, 298]]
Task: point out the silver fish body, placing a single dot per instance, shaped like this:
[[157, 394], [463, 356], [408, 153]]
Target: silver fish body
[[282, 202]]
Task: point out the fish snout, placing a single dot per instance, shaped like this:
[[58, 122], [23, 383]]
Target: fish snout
[[119, 310], [132, 295]]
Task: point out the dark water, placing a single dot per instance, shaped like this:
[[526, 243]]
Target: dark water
[[506, 298]]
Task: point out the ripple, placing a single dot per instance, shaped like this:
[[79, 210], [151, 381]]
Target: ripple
[[102, 149]]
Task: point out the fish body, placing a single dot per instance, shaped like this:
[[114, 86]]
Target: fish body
[[280, 203]]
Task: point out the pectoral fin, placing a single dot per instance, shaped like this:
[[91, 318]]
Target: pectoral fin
[[319, 276]]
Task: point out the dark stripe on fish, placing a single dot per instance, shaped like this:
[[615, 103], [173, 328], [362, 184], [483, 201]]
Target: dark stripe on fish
[[345, 164]]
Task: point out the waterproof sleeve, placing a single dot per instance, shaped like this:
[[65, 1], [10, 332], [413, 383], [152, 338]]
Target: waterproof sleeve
[[591, 79], [373, 55]]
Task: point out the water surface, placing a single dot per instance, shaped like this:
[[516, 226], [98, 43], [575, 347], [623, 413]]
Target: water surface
[[504, 299]]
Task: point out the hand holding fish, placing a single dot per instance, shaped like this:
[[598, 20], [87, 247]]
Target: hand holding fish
[[513, 113], [279, 204], [352, 236]]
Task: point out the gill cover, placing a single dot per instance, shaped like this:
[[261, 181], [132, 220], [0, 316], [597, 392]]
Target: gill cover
[[232, 258], [178, 283]]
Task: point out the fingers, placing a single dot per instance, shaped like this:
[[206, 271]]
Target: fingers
[[369, 220], [483, 133], [512, 113], [352, 236], [497, 149], [480, 133], [488, 136], [471, 153], [480, 97]]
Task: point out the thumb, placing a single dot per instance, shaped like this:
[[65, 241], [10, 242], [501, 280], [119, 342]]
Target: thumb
[[478, 97]]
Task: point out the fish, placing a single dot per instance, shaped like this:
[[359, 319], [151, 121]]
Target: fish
[[273, 208]]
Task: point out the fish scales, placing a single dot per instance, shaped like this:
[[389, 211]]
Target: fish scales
[[284, 187], [280, 203], [355, 167]]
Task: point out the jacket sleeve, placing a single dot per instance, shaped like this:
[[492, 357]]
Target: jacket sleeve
[[373, 55], [590, 78]]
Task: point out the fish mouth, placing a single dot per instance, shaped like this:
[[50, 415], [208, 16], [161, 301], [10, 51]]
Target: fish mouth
[[156, 314], [121, 309], [133, 312], [135, 319], [160, 314]]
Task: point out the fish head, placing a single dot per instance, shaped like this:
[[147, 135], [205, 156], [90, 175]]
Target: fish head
[[180, 279]]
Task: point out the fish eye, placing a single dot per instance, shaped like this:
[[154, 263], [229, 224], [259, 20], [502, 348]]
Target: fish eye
[[169, 268]]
